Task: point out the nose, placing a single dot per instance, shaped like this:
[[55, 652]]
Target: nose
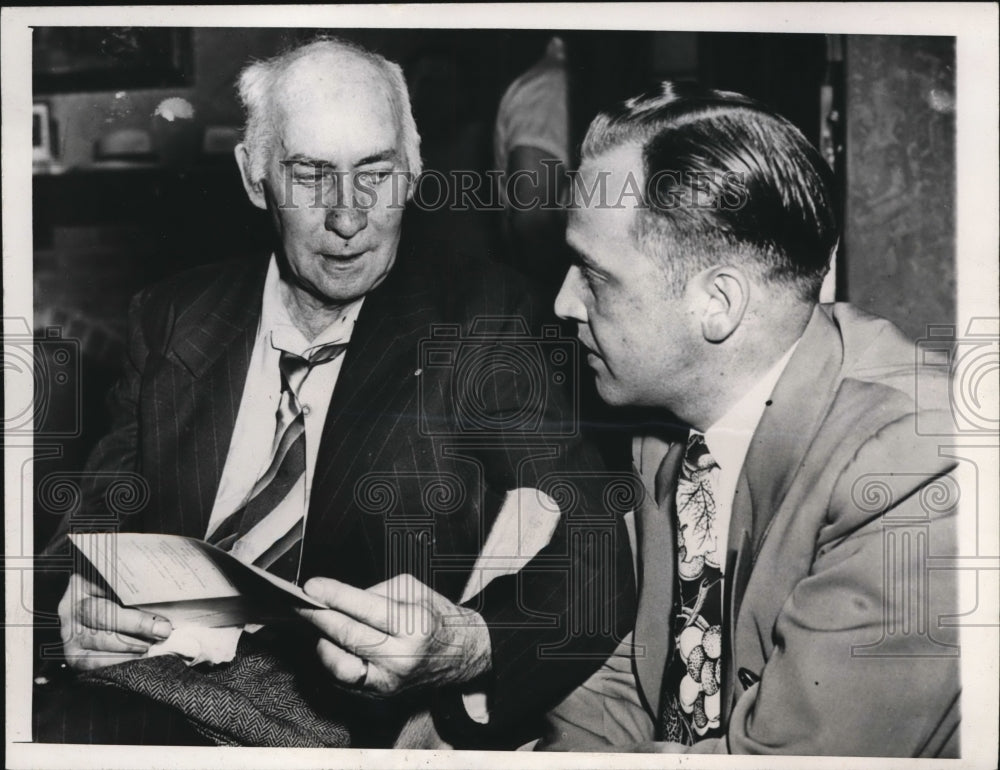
[[569, 306], [346, 221], [343, 215]]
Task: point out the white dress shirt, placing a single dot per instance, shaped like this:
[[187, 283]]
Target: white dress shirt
[[253, 434], [728, 440]]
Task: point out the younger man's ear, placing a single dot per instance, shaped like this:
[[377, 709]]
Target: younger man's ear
[[726, 292], [255, 190]]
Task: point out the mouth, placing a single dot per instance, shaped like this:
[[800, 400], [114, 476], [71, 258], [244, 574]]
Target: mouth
[[585, 340], [593, 358], [342, 259]]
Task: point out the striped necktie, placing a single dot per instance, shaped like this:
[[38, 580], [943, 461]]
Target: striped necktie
[[691, 697], [284, 477]]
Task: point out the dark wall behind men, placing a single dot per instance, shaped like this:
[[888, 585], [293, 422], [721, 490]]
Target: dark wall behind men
[[900, 162]]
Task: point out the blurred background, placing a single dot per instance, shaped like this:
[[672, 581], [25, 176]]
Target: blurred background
[[134, 175]]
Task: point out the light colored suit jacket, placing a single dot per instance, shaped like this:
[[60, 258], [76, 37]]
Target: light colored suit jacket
[[832, 600]]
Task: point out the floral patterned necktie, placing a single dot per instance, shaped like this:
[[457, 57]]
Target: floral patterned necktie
[[691, 696]]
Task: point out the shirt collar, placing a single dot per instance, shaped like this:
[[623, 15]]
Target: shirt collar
[[728, 439], [276, 323]]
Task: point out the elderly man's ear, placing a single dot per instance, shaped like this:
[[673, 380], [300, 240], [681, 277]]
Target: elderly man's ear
[[724, 293], [255, 190]]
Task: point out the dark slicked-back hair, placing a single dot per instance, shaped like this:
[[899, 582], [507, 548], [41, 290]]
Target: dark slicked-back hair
[[726, 179]]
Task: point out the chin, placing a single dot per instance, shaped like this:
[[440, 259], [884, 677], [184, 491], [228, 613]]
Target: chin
[[343, 295], [610, 393], [616, 393], [344, 284]]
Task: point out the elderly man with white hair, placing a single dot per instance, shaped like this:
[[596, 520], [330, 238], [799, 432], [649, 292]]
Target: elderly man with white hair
[[354, 413]]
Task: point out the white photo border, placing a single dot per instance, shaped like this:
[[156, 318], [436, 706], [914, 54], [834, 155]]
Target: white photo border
[[974, 25]]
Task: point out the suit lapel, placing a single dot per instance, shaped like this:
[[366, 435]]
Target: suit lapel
[[798, 405], [214, 341], [225, 311], [374, 391], [385, 333], [655, 530], [739, 562]]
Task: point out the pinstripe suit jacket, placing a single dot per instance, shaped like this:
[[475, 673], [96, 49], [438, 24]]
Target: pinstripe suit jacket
[[425, 434]]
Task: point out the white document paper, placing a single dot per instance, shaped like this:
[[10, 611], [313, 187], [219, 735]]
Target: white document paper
[[187, 580]]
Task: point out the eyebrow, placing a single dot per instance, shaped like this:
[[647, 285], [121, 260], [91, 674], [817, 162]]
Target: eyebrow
[[300, 158], [578, 255], [377, 157], [581, 259]]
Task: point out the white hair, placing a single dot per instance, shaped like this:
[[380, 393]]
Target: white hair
[[256, 87]]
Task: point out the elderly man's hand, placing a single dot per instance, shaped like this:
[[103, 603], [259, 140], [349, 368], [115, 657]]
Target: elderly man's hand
[[395, 636], [98, 632]]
